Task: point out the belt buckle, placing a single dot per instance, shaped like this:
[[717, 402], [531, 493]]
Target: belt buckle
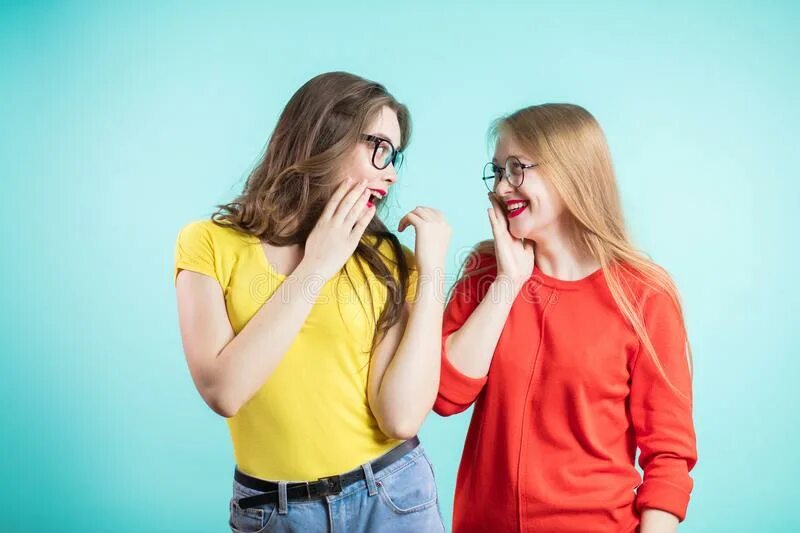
[[325, 486]]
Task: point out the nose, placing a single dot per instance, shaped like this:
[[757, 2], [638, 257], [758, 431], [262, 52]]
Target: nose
[[390, 175], [503, 188]]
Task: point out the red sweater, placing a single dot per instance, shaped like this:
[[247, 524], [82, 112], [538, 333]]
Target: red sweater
[[569, 398]]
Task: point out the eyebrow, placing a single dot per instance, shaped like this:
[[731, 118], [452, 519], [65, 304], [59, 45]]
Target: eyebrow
[[520, 157], [384, 136]]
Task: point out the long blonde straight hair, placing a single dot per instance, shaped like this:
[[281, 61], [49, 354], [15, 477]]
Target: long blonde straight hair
[[571, 149]]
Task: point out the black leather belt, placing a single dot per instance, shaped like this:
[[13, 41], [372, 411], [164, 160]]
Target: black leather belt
[[310, 490]]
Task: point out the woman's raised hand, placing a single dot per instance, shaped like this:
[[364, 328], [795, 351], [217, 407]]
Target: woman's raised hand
[[339, 228]]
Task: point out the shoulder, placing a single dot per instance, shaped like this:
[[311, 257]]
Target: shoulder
[[480, 260], [655, 293], [478, 271], [211, 233]]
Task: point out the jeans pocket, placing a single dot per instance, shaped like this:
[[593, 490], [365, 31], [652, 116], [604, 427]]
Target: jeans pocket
[[253, 519], [410, 489]]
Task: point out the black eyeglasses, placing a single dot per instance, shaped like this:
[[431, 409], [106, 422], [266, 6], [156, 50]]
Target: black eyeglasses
[[384, 153], [514, 170]]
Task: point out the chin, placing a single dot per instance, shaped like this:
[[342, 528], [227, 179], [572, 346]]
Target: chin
[[518, 232]]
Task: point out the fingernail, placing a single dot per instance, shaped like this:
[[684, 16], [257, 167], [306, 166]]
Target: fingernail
[[369, 203]]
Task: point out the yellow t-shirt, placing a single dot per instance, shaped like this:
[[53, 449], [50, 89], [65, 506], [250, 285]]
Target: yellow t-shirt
[[311, 418]]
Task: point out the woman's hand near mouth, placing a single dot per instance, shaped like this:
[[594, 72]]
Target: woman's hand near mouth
[[339, 228], [515, 257]]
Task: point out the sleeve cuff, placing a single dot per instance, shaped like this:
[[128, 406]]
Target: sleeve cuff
[[664, 496], [457, 387], [186, 264]]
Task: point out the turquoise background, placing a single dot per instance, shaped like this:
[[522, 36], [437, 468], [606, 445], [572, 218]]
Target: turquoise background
[[120, 122]]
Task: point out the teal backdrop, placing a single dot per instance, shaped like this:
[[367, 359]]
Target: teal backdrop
[[121, 121]]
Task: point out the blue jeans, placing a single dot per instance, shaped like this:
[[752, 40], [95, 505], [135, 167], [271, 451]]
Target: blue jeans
[[401, 497]]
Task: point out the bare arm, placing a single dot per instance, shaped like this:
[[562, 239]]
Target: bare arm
[[656, 521], [404, 374], [470, 349], [229, 369]]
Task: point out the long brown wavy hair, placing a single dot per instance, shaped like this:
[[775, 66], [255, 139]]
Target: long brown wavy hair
[[286, 192], [571, 149]]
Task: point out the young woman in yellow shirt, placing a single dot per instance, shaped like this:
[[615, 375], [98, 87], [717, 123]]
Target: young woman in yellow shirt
[[311, 329]]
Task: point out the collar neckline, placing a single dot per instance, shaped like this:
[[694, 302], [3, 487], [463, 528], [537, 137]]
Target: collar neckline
[[556, 283]]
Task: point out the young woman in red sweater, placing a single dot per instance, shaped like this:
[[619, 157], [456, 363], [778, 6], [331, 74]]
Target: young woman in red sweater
[[572, 346]]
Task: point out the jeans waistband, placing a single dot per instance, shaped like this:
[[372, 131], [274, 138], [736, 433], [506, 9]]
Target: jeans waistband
[[310, 490]]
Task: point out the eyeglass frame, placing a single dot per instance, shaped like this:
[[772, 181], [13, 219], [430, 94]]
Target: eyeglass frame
[[395, 152], [504, 170]]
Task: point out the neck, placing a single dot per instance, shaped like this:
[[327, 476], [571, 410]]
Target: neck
[[558, 255]]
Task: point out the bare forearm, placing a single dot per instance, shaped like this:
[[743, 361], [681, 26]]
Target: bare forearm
[[248, 360], [411, 381], [657, 521], [470, 349]]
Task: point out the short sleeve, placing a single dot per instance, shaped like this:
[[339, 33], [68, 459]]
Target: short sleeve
[[194, 250]]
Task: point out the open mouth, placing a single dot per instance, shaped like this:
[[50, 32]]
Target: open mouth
[[376, 196], [516, 208]]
